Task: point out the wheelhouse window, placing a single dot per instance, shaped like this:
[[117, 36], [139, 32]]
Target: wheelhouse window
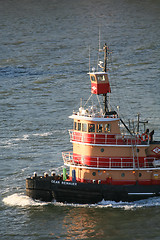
[[75, 126], [84, 127], [93, 78], [101, 78], [99, 128], [107, 127], [79, 126], [91, 127]]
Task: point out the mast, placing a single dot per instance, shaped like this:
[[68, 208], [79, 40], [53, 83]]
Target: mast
[[105, 49], [105, 101], [100, 82]]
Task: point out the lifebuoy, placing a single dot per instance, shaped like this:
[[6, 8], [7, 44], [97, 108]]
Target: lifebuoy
[[144, 137]]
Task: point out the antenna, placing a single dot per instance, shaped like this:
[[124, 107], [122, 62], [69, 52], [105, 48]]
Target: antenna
[[89, 58], [99, 38], [81, 102], [105, 49], [100, 49]]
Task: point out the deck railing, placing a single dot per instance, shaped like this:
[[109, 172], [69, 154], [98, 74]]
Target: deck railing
[[102, 162], [102, 138]]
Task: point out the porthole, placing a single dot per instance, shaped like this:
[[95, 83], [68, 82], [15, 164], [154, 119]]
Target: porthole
[[94, 173], [123, 175], [102, 149]]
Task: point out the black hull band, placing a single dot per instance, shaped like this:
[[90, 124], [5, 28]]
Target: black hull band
[[48, 189]]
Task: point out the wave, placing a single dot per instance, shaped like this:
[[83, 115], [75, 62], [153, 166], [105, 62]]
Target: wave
[[150, 202], [21, 200], [42, 134], [12, 141], [25, 137], [145, 203]]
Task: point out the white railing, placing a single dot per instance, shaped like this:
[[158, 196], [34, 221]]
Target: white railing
[[102, 138], [102, 162]]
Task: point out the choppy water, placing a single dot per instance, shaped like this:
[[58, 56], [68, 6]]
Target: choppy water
[[43, 65]]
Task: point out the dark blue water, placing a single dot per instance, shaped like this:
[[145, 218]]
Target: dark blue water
[[44, 49]]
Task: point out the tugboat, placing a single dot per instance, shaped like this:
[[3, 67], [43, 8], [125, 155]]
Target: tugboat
[[105, 164]]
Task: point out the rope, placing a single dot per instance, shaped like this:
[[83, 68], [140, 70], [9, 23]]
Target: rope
[[88, 99], [99, 102]]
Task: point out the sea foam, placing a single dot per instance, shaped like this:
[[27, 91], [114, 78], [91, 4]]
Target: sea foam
[[21, 200]]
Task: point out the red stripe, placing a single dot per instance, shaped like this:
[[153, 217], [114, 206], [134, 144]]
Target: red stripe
[[113, 162], [94, 138], [121, 182]]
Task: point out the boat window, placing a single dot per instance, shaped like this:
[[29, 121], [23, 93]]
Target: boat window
[[91, 127], [101, 78], [84, 127], [107, 127], [79, 126], [75, 126], [93, 78], [99, 128]]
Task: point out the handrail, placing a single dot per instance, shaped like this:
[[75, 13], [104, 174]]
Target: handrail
[[103, 162], [104, 138]]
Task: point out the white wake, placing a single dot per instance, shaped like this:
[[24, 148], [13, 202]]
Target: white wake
[[22, 200]]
